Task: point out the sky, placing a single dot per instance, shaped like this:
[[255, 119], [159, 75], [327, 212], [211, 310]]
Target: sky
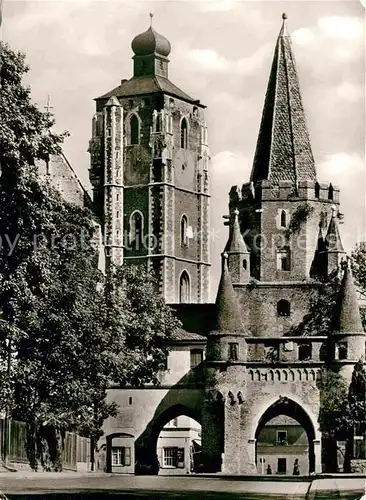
[[221, 54]]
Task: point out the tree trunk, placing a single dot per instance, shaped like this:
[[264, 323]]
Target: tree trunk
[[31, 444]]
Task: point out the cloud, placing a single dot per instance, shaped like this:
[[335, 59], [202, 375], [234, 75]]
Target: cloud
[[303, 36], [217, 6], [348, 28], [350, 91], [347, 170], [211, 60]]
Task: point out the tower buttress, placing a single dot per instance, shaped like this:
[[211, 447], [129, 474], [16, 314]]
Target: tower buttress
[[113, 181]]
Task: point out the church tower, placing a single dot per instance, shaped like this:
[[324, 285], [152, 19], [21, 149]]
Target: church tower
[[150, 175]]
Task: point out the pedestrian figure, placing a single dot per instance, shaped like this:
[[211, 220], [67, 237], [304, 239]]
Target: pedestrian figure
[[269, 469], [296, 471]]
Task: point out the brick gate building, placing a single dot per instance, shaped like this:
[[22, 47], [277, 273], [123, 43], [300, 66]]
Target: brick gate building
[[150, 176]]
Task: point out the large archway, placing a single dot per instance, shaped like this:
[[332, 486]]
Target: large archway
[[179, 447], [146, 451], [277, 438]]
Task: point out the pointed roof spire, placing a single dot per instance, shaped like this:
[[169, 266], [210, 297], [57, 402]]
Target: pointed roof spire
[[347, 316], [283, 150], [236, 243], [228, 317], [333, 238]]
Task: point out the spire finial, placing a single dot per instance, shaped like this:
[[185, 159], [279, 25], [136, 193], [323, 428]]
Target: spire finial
[[151, 18], [236, 213], [284, 31]]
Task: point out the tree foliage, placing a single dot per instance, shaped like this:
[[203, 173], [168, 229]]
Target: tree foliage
[[359, 272], [65, 342]]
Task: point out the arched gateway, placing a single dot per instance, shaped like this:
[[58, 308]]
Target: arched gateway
[[249, 359]]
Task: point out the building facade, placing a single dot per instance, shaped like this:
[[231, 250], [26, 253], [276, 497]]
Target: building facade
[[243, 368]]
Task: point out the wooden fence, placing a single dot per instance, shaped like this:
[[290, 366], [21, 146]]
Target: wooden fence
[[76, 449]]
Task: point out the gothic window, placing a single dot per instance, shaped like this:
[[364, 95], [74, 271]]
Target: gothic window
[[184, 288], [245, 264], [183, 230], [283, 308], [233, 351], [317, 190], [283, 219], [284, 259], [304, 352], [196, 357], [136, 230], [184, 134], [134, 130], [330, 192]]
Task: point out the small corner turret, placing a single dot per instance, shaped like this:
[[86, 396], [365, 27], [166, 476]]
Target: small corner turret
[[226, 341], [238, 253], [347, 338]]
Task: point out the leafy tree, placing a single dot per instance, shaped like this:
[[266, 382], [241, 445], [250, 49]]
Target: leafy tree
[[65, 341], [359, 272]]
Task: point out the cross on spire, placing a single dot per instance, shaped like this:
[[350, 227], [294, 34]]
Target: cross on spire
[[151, 18], [48, 105]]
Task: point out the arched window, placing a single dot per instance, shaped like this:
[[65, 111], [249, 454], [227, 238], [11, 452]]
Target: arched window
[[184, 288], [330, 192], [183, 230], [317, 190], [134, 130], [283, 219], [184, 134], [283, 308], [284, 259], [304, 352], [136, 230], [245, 264]]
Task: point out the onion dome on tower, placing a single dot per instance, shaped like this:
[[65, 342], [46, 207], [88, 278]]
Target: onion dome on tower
[[151, 53], [150, 42]]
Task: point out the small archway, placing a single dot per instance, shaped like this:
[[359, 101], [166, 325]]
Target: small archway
[[284, 423], [120, 453]]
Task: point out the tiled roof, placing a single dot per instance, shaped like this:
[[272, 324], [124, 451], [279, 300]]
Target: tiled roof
[[183, 335], [147, 85], [347, 315], [228, 317], [283, 150]]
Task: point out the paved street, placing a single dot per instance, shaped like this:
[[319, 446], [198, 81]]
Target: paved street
[[82, 486]]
